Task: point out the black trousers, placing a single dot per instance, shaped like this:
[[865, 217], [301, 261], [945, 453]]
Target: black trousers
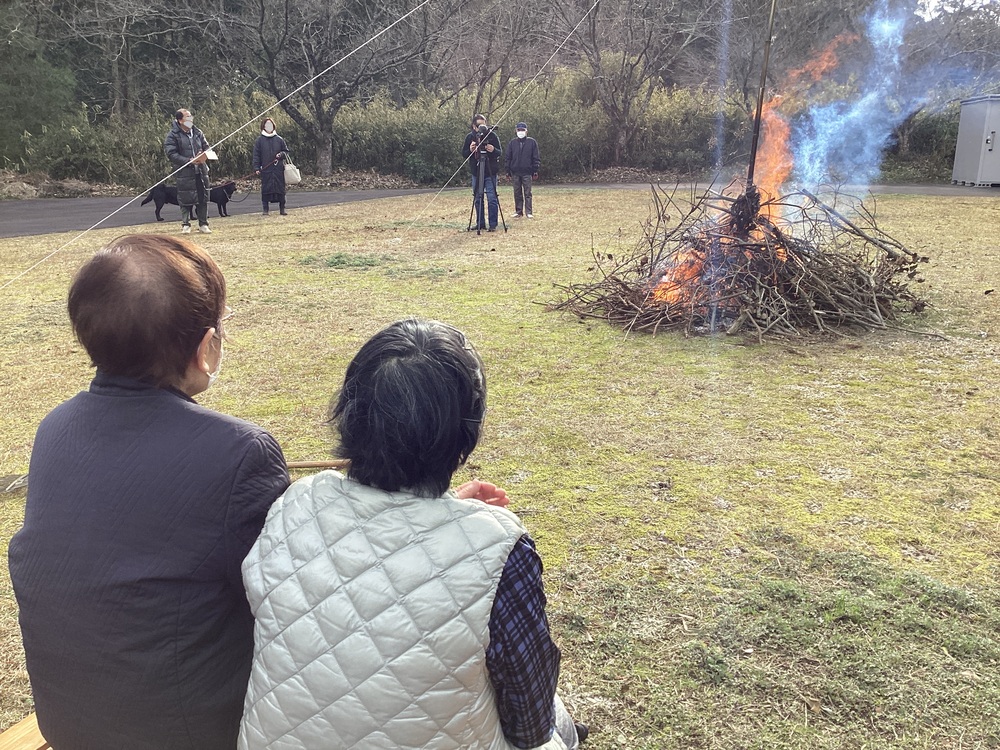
[[201, 183]]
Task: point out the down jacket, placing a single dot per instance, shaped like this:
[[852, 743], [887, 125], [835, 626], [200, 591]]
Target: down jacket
[[180, 148], [269, 154], [372, 620]]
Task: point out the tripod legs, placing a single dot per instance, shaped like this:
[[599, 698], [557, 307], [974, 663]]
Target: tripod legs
[[485, 186]]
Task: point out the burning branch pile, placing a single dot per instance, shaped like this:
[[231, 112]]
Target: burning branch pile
[[779, 267]]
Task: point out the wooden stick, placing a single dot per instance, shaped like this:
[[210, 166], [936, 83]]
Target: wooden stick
[[333, 463]]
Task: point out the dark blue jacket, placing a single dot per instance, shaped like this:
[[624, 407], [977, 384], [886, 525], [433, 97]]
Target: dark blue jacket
[[522, 156], [141, 507]]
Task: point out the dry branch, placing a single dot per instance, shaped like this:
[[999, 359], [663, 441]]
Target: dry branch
[[783, 266]]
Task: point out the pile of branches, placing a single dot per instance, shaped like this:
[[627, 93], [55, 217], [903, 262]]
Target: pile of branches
[[785, 266]]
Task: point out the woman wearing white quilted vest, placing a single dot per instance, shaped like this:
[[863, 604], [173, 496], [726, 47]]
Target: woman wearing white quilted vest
[[389, 611]]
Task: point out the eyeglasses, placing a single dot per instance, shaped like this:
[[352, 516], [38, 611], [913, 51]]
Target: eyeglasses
[[227, 313]]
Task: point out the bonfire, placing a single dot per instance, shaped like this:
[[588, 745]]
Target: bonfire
[[750, 258], [742, 264]]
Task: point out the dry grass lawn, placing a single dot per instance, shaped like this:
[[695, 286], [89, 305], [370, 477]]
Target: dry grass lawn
[[786, 545]]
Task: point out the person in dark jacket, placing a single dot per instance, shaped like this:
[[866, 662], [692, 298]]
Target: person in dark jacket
[[187, 150], [269, 153], [522, 162], [482, 143], [141, 507]]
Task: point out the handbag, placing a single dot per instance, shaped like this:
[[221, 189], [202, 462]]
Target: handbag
[[292, 174]]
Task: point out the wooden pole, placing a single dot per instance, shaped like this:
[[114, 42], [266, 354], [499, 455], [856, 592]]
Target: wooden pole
[[760, 95], [333, 463]]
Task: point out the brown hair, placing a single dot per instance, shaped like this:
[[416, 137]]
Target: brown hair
[[141, 306], [265, 120]]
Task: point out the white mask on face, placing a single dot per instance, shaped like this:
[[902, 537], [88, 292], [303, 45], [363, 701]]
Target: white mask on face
[[522, 133], [213, 376], [188, 122], [268, 127]]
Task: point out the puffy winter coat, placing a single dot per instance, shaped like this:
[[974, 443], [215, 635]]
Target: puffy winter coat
[[180, 148], [272, 173], [372, 620]]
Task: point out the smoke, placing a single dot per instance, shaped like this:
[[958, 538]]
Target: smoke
[[720, 117], [844, 141]]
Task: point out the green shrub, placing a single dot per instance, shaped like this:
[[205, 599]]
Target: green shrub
[[680, 129]]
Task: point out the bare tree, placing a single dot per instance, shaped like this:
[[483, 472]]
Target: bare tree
[[284, 46], [630, 46]]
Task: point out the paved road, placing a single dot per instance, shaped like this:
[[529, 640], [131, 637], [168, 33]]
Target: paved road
[[19, 218]]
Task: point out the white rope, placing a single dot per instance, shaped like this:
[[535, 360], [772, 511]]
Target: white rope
[[524, 91], [217, 143]]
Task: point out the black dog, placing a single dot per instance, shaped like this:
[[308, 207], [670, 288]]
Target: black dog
[[164, 194], [221, 194], [161, 194]]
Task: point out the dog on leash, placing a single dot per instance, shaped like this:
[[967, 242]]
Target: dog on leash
[[220, 195], [161, 195]]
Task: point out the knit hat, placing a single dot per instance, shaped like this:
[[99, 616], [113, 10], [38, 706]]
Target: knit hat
[[521, 126]]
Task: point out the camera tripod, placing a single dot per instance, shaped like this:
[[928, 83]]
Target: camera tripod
[[480, 188]]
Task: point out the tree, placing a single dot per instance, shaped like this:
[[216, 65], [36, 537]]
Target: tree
[[307, 45], [629, 47], [33, 92]]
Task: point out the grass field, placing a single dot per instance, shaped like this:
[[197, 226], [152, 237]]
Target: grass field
[[793, 544]]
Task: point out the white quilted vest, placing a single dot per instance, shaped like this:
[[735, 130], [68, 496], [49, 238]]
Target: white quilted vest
[[372, 620]]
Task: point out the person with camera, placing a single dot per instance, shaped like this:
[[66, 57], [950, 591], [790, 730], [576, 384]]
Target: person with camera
[[483, 144], [522, 167]]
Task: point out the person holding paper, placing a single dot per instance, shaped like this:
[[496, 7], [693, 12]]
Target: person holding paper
[[188, 151]]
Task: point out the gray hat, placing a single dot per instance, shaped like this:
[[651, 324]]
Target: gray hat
[[521, 126]]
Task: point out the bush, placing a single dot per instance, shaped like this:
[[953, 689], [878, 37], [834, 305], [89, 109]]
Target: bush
[[682, 127]]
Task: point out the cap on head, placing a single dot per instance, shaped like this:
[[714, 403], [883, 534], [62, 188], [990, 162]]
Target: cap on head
[[521, 126]]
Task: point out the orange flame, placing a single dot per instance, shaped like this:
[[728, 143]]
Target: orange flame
[[774, 159], [680, 280], [825, 61]]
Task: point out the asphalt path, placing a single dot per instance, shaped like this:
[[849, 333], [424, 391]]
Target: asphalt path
[[20, 218]]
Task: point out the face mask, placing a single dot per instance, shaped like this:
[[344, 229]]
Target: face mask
[[268, 127], [188, 123], [213, 376], [522, 133]]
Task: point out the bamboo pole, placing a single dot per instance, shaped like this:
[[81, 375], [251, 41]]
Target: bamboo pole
[[760, 96], [333, 463]]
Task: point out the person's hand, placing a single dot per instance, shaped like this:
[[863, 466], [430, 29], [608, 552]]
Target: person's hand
[[472, 147], [489, 147], [201, 158], [534, 176], [485, 492], [256, 171]]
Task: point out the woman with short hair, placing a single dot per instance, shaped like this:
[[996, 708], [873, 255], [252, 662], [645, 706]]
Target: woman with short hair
[[141, 507], [390, 612]]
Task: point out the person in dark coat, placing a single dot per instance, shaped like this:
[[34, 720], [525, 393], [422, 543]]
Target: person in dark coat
[[141, 507], [187, 150], [522, 167], [483, 144], [269, 154]]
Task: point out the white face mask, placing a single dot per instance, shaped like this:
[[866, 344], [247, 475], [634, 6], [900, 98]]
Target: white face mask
[[268, 127], [188, 123], [522, 133], [213, 376]]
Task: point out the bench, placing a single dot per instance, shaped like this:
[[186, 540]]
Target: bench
[[23, 736]]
